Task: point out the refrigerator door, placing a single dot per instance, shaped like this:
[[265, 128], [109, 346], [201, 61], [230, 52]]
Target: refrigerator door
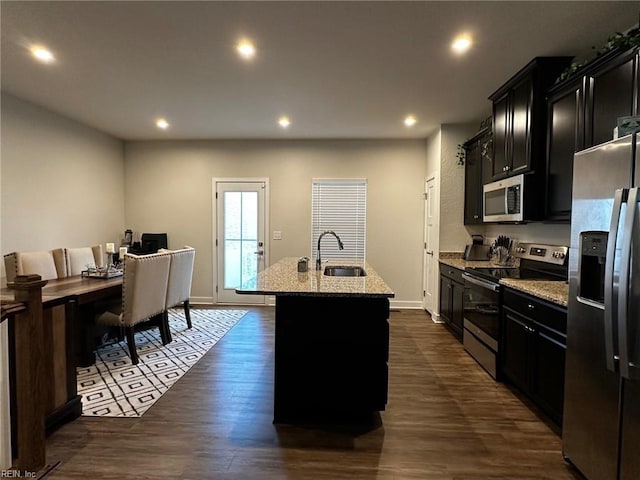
[[590, 424], [630, 435], [629, 456]]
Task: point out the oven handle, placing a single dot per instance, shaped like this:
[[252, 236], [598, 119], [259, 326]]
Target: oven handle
[[481, 283]]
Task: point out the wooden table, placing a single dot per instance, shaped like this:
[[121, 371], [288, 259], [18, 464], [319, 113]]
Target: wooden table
[[68, 309]]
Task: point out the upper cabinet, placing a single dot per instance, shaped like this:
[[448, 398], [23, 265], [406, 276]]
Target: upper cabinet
[[519, 117], [477, 167], [582, 111], [611, 91]]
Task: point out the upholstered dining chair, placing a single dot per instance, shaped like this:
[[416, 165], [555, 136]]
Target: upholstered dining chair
[[144, 291], [78, 259], [41, 262], [180, 276]]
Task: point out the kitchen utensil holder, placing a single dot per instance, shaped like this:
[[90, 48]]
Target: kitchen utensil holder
[[501, 256]]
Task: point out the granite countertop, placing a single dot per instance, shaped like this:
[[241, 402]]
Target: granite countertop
[[283, 278], [553, 291]]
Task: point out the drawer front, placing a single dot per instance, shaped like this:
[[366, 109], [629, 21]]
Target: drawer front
[[536, 310], [453, 273]]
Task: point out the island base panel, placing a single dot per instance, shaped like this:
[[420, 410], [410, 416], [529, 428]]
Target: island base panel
[[330, 359]]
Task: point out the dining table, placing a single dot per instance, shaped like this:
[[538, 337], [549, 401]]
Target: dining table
[[69, 306]]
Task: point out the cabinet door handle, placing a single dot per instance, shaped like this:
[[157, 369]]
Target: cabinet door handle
[[475, 217], [531, 307]]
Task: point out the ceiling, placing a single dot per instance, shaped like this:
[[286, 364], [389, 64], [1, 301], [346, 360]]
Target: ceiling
[[336, 69]]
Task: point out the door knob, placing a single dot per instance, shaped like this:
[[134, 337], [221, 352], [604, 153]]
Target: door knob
[[259, 252]]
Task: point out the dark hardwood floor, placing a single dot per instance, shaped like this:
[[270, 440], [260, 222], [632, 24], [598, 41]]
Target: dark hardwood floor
[[446, 419]]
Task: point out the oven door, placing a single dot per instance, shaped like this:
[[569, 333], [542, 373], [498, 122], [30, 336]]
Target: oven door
[[482, 321]]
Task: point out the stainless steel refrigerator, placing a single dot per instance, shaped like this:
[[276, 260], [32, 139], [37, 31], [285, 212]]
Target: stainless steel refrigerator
[[601, 425]]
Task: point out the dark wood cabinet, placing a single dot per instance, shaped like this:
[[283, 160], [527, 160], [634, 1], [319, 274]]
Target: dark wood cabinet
[[564, 109], [582, 111], [533, 349], [451, 298], [519, 117], [501, 137], [611, 92], [477, 159]]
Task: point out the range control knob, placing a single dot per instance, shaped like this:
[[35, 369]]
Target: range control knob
[[521, 250], [558, 254]]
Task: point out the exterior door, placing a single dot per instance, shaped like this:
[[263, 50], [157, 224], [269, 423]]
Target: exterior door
[[239, 238], [430, 247]]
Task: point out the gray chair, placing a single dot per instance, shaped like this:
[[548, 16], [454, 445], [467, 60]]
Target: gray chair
[[45, 263], [79, 259], [180, 276], [144, 293]]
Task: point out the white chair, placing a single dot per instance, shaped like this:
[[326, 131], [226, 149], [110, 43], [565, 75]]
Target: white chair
[[78, 259], [180, 276], [144, 292], [41, 262]]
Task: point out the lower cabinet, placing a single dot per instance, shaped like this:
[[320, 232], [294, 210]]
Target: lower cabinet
[[533, 349], [451, 298]]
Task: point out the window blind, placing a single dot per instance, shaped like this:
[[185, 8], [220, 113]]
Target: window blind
[[341, 206]]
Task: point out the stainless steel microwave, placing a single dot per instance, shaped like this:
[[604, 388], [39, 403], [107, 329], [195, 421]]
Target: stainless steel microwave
[[503, 200]]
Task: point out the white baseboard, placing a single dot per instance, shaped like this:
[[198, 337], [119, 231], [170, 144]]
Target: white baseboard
[[201, 300], [270, 300], [405, 304]]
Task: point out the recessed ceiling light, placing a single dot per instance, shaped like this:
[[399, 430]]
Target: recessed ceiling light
[[461, 44], [162, 123], [284, 122], [42, 54], [246, 49], [410, 120]]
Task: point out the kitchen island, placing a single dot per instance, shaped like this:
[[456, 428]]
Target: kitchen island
[[332, 342]]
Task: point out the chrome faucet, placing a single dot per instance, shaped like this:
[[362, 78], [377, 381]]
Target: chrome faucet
[[340, 246]]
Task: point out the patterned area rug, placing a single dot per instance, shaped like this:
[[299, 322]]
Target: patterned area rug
[[113, 387]]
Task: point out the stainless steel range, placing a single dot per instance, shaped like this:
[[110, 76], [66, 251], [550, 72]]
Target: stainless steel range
[[481, 334]]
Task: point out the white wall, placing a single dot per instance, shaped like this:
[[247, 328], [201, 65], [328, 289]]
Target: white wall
[[168, 189], [551, 234], [62, 182], [62, 185], [434, 147], [453, 234]]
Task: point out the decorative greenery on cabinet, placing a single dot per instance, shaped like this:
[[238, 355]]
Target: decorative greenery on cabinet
[[618, 41]]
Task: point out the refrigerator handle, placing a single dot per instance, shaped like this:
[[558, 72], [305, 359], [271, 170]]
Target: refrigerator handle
[[610, 293], [625, 284]]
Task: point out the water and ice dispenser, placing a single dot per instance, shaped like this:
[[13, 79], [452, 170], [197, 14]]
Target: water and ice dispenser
[[593, 253]]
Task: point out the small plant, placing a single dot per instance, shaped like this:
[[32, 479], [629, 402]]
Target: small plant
[[619, 40]]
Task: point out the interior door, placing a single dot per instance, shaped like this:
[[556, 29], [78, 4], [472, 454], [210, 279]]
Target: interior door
[[240, 238], [430, 263]]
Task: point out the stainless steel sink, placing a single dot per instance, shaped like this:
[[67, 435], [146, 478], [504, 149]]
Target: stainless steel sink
[[344, 271]]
